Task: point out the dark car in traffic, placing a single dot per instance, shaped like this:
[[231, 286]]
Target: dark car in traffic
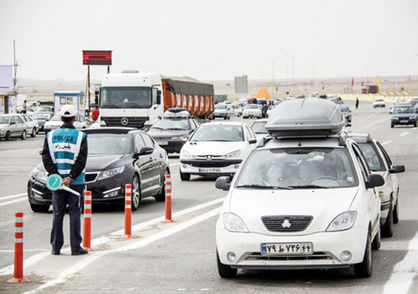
[[116, 156], [403, 114]]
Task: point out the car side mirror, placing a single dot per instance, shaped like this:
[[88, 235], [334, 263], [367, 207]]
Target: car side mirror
[[397, 169], [252, 141], [145, 151], [374, 180], [223, 183]]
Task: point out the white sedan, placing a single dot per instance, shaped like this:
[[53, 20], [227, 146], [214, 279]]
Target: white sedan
[[216, 148]]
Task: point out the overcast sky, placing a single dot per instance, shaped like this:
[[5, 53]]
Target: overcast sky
[[213, 39]]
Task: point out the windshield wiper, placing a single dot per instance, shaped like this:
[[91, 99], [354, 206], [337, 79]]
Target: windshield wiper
[[309, 187], [265, 187]]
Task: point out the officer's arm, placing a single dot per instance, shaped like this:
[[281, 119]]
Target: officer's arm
[[49, 165], [81, 160]]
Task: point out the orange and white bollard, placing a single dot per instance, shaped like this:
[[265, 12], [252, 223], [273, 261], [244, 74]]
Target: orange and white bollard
[[18, 262], [87, 220], [128, 211], [168, 217]]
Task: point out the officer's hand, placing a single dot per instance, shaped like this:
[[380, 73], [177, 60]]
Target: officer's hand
[[66, 182]]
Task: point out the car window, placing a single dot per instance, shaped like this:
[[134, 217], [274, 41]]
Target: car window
[[250, 133], [12, 119], [4, 120], [19, 120], [24, 118], [109, 144], [402, 109], [372, 156], [139, 142], [148, 141], [385, 154], [298, 168], [222, 133], [362, 163], [171, 124], [259, 127]]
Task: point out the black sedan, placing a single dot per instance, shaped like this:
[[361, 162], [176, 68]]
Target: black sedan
[[116, 156]]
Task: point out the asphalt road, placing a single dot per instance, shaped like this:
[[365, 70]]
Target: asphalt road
[[180, 256]]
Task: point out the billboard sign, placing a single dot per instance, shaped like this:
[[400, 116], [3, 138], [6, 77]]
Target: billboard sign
[[6, 79], [97, 57], [241, 84]]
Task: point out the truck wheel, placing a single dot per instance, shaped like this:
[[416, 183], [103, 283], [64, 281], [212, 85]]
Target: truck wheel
[[7, 138], [39, 208], [23, 136], [388, 226], [184, 176], [365, 268], [225, 271], [33, 134]]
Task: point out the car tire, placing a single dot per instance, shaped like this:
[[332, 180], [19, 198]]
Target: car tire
[[39, 207], [184, 176], [7, 137], [23, 136], [136, 193], [365, 268], [387, 228], [415, 125], [396, 212], [160, 197], [392, 125], [34, 132], [377, 241], [225, 271]]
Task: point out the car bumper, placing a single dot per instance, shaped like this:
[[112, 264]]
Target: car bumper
[[210, 167], [171, 146], [327, 248], [405, 121], [220, 115]]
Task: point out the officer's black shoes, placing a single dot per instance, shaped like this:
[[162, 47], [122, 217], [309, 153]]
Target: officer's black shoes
[[80, 251], [55, 252]]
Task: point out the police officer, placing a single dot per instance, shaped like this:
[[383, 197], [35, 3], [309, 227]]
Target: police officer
[[65, 153]]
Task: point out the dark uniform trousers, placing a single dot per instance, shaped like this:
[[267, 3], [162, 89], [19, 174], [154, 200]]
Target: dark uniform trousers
[[60, 199]]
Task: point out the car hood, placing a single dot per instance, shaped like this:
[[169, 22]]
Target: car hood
[[157, 134], [213, 148], [322, 204]]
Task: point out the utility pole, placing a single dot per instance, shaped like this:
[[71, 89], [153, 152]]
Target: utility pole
[[14, 66], [88, 86]]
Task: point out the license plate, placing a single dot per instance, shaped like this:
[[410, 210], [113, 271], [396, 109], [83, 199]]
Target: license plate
[[298, 248], [209, 170], [404, 121], [162, 143]]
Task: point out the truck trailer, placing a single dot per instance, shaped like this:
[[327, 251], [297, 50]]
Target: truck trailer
[[136, 99]]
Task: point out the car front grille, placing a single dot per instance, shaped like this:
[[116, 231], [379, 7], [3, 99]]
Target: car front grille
[[133, 122], [318, 255], [211, 163], [282, 223]]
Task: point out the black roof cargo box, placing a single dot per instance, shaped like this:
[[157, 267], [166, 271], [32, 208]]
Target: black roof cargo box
[[305, 117]]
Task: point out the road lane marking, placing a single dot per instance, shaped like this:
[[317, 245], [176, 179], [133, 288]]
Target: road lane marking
[[387, 142], [403, 134], [13, 201], [62, 277], [7, 270], [404, 271], [12, 196]]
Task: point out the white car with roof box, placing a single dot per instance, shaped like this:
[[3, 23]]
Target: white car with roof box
[[379, 162], [303, 199], [216, 148]]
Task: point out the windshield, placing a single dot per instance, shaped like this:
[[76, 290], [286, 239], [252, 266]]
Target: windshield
[[125, 97], [373, 159], [171, 124], [294, 168], [41, 116], [259, 127], [43, 109], [223, 133], [252, 106], [56, 117], [344, 108], [4, 120], [402, 109], [220, 106], [109, 144]]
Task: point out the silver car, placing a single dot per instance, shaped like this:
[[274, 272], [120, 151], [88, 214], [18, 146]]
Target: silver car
[[12, 125], [32, 126]]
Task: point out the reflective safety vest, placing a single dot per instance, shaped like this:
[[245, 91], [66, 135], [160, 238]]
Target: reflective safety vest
[[64, 147]]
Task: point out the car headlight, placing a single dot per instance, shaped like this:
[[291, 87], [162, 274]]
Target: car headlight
[[181, 138], [233, 154], [39, 175], [412, 117], [185, 155], [233, 223], [110, 172], [343, 221]]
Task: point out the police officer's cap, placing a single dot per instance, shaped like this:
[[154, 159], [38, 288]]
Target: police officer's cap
[[67, 111]]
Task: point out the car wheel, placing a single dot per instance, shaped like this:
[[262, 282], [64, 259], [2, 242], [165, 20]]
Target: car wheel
[[39, 208], [392, 125], [377, 241], [184, 176], [23, 136], [136, 193], [7, 138], [365, 268], [33, 134], [225, 271], [396, 212], [415, 125], [387, 228], [225, 118], [160, 197]]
